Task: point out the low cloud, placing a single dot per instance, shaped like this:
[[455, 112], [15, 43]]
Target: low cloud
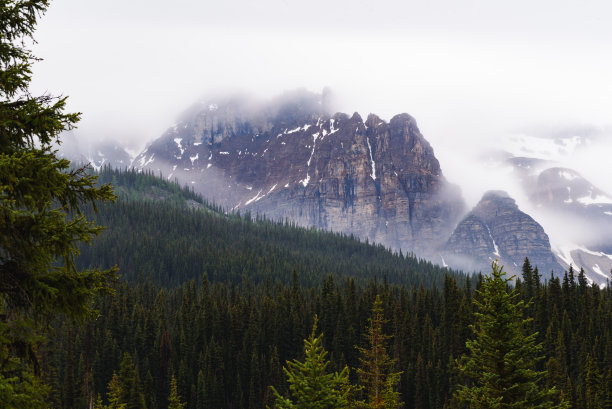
[[473, 75]]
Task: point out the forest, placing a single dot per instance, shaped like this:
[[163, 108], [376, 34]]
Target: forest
[[239, 309], [121, 290]]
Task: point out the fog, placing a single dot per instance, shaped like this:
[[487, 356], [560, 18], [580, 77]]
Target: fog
[[474, 74]]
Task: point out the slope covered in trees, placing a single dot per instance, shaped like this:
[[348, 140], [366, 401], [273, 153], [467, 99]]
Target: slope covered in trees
[[221, 302], [167, 233]]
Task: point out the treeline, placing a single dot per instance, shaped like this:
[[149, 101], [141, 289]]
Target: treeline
[[227, 343], [154, 230]]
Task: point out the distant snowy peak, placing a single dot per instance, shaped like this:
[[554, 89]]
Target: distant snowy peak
[[96, 155], [545, 148], [560, 195], [566, 187], [597, 265]]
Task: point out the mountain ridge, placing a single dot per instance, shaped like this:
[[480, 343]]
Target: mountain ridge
[[376, 179]]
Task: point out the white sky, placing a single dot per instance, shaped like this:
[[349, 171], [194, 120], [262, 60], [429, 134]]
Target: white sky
[[471, 72]]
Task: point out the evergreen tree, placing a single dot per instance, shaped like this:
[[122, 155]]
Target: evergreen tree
[[376, 372], [114, 394], [129, 384], [593, 392], [310, 385], [528, 278], [174, 400], [41, 201], [501, 359]]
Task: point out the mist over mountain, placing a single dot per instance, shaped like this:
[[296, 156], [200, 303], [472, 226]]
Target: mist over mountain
[[293, 157], [378, 180]]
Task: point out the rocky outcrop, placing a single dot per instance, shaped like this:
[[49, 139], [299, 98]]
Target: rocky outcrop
[[378, 180], [497, 230]]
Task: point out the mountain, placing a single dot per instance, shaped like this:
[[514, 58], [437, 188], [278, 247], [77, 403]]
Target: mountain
[[564, 197], [497, 230], [292, 159], [97, 154]]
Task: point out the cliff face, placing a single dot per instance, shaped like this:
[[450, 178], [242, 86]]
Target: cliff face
[[497, 230], [374, 179], [378, 180]]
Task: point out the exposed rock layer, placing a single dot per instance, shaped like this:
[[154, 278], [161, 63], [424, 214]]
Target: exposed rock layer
[[374, 179], [497, 230]]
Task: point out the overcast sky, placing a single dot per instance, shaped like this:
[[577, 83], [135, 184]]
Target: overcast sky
[[472, 73]]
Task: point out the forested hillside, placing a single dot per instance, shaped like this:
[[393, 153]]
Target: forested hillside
[[221, 302], [161, 231]]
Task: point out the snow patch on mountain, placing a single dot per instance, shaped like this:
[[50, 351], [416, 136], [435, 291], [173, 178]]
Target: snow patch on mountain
[[373, 174], [594, 199], [178, 143]]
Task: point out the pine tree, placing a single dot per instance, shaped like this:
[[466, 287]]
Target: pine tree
[[310, 385], [41, 199], [376, 372], [129, 384], [500, 364], [592, 380], [528, 278], [41, 202], [174, 400], [114, 394]]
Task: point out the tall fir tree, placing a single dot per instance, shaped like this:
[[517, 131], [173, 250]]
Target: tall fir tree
[[376, 374], [41, 202], [310, 384], [114, 394], [129, 383], [174, 400], [499, 368]]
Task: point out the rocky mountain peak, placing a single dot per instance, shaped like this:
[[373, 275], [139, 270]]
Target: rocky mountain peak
[[496, 229], [292, 160], [373, 120], [493, 203]]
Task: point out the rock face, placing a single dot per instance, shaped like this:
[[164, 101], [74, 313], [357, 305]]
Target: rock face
[[293, 160], [497, 230]]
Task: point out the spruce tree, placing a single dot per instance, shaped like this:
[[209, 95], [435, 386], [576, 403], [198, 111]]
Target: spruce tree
[[499, 368], [174, 400], [114, 394], [310, 384], [41, 198], [376, 373], [41, 203], [129, 384]]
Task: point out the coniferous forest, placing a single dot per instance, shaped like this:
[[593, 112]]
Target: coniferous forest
[[220, 303], [177, 304]]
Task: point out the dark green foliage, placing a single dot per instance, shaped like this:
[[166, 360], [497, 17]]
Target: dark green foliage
[[41, 222], [228, 343], [129, 384], [376, 372], [160, 236], [311, 385], [226, 337], [500, 366]]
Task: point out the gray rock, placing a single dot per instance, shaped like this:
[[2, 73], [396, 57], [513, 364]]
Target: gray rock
[[377, 180], [497, 230]]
